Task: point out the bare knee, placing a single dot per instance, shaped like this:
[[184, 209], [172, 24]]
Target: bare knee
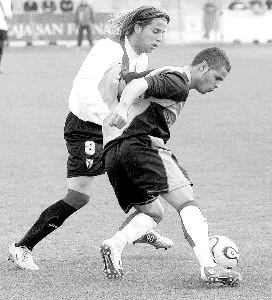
[[179, 197], [155, 210], [157, 217], [81, 184]]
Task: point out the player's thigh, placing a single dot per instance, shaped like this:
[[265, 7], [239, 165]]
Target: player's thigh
[[178, 197], [120, 174], [82, 184], [152, 167], [153, 209]]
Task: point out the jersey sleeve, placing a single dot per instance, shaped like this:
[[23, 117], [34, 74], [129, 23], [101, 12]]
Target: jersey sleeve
[[168, 85]]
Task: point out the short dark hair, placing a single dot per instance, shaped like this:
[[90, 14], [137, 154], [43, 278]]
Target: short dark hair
[[215, 58], [122, 24]]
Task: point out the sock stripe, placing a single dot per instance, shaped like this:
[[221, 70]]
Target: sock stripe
[[187, 203], [76, 199]]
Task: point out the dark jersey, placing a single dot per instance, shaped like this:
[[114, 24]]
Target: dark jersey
[[155, 111]]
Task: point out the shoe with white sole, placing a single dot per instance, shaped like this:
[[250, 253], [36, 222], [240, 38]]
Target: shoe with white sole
[[111, 260], [221, 275], [21, 256], [155, 239]]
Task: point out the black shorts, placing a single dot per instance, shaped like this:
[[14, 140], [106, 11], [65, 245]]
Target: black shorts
[[84, 142], [142, 168]]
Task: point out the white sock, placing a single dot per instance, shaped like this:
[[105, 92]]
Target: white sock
[[196, 232], [138, 226]]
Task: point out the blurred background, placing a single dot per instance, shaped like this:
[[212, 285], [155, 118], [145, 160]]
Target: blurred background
[[191, 20]]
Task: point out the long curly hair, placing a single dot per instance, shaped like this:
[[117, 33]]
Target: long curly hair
[[122, 23]]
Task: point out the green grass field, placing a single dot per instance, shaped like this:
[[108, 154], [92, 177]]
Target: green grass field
[[223, 140]]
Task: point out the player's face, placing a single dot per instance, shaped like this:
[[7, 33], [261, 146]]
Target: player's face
[[150, 37], [211, 80]]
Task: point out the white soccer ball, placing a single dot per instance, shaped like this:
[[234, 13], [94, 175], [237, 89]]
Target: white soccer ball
[[224, 251]]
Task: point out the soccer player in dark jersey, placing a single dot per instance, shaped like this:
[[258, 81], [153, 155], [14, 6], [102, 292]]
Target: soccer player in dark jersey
[[131, 35], [141, 167]]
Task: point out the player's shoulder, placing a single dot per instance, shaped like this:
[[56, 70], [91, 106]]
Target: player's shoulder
[[174, 70], [107, 49], [177, 74], [108, 45]]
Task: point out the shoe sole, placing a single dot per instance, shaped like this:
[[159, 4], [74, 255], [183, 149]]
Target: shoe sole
[[225, 281], [109, 268], [232, 282]]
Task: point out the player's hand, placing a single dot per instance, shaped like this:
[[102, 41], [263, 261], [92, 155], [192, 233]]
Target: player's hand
[[119, 117]]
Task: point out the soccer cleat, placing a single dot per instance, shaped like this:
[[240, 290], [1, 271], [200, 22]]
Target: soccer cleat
[[111, 260], [221, 275], [22, 257], [155, 239]]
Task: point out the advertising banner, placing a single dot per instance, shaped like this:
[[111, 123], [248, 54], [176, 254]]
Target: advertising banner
[[49, 27], [186, 26]]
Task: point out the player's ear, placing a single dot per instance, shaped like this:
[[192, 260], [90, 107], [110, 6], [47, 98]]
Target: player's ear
[[203, 67], [138, 28]]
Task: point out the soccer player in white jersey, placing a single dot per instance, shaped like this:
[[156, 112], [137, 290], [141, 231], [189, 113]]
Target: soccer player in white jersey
[[95, 90], [141, 167], [5, 14]]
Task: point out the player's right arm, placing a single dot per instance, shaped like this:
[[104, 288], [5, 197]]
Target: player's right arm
[[132, 91], [170, 85]]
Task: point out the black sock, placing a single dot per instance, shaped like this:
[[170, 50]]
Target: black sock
[[49, 220], [53, 217]]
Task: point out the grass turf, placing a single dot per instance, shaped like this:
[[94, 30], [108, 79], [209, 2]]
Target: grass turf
[[222, 139]]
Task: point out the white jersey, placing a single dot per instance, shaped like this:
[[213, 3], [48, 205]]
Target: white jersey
[[5, 12], [95, 86]]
